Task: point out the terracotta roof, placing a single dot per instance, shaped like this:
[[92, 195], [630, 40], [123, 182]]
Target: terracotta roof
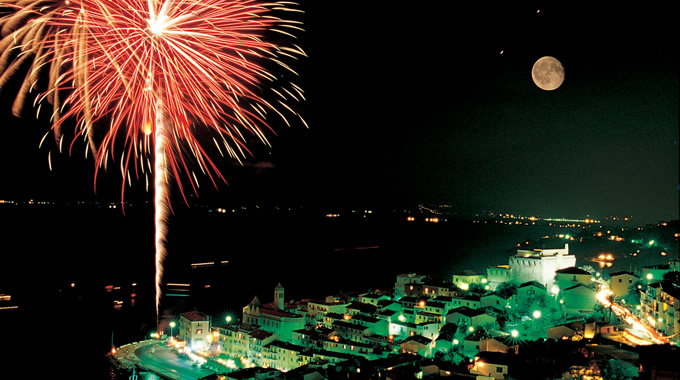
[[195, 316], [261, 334]]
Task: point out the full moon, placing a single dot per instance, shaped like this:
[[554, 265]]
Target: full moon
[[548, 73]]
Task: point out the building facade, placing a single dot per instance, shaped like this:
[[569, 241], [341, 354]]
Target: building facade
[[194, 329]]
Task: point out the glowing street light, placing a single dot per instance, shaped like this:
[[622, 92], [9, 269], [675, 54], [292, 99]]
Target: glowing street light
[[536, 314], [555, 289], [172, 326], [514, 333], [228, 318]]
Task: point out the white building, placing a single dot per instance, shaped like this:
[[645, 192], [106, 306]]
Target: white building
[[194, 328], [539, 264], [406, 279]]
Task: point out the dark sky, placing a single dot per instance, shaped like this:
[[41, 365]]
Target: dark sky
[[410, 104]]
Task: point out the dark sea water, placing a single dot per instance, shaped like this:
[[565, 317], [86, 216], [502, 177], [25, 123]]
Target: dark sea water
[[57, 263]]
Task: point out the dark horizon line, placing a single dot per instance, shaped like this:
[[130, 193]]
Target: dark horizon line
[[444, 209]]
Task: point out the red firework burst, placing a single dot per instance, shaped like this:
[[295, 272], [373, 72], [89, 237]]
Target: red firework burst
[[117, 64]]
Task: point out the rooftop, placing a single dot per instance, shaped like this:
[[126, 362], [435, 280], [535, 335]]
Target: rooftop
[[621, 273], [278, 313], [195, 316], [418, 339], [492, 357], [467, 311], [349, 325], [261, 334], [532, 283], [468, 272], [362, 307], [572, 270]]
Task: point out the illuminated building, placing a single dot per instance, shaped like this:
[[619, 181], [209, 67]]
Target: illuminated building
[[495, 301], [492, 364], [345, 346], [479, 341], [272, 318], [376, 325], [578, 299], [429, 290], [529, 291], [498, 274], [660, 306], [471, 301], [351, 331], [567, 277], [284, 356], [466, 278], [620, 283], [324, 307], [236, 338], [194, 328], [373, 298], [470, 317], [404, 281], [418, 345], [356, 308], [539, 264]]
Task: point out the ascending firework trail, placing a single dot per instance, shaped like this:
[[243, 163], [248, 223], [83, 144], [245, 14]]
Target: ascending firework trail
[[149, 74]]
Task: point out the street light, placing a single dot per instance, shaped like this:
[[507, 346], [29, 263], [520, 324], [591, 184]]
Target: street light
[[172, 326], [228, 318]]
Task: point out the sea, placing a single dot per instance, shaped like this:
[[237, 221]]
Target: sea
[[81, 276]]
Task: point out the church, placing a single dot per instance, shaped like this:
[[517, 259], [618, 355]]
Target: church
[[273, 317]]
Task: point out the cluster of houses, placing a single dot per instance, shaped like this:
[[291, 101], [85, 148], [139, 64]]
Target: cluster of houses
[[479, 317]]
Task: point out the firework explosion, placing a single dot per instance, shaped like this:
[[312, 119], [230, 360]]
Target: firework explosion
[[148, 75]]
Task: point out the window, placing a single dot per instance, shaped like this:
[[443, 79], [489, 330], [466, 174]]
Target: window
[[499, 369], [620, 279]]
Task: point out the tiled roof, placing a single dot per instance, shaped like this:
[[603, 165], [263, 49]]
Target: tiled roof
[[195, 316]]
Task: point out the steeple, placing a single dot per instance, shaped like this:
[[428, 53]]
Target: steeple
[[278, 296]]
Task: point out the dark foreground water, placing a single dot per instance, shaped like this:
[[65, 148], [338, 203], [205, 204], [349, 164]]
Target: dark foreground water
[[82, 277]]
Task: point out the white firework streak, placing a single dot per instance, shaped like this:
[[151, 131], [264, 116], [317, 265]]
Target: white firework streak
[[161, 200]]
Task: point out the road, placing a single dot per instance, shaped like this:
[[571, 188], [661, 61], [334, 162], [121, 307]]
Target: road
[[628, 317], [154, 356]]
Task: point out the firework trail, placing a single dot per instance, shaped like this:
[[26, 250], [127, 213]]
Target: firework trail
[[150, 76]]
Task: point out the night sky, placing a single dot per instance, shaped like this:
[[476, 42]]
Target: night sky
[[430, 103]]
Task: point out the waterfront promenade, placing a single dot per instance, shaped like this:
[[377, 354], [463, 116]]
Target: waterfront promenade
[[154, 356]]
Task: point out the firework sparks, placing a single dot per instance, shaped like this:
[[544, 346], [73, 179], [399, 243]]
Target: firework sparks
[[145, 73]]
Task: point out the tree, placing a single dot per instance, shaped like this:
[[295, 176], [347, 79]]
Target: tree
[[506, 289], [611, 370]]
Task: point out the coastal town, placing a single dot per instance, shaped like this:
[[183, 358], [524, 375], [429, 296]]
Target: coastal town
[[542, 314]]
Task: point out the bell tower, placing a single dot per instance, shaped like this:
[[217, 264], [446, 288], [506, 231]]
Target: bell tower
[[278, 296]]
